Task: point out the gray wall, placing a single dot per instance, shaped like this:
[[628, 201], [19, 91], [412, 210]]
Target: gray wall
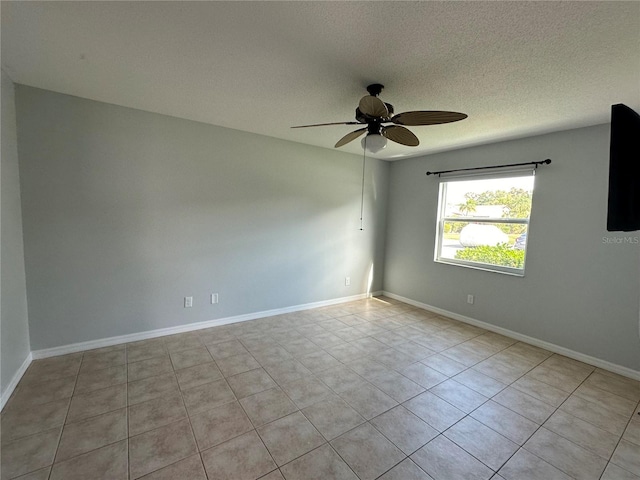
[[126, 212], [578, 292], [14, 326]]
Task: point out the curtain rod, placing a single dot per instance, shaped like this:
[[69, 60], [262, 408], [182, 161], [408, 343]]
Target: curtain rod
[[543, 162]]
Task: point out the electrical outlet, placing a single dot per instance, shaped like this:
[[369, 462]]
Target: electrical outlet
[[470, 299], [188, 302], [347, 281], [214, 298]]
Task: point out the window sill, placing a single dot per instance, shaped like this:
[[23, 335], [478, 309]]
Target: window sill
[[514, 272]]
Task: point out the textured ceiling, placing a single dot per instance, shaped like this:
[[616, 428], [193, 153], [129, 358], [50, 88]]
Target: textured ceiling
[[516, 68]]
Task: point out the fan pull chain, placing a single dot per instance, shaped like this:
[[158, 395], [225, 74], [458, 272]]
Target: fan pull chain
[[364, 157]]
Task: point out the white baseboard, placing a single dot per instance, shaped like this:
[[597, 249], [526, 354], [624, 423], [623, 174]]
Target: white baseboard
[[14, 381], [134, 337], [597, 362]]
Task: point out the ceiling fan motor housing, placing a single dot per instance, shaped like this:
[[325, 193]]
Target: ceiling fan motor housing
[[374, 89], [374, 127]]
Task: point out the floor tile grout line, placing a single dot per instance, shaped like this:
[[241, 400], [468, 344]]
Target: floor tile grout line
[[491, 428], [495, 472], [176, 462], [460, 446], [313, 426], [450, 326], [152, 430], [126, 392], [589, 401], [21, 385], [341, 457], [299, 410], [64, 423], [374, 385], [255, 429], [88, 451], [395, 370], [605, 391], [195, 439], [541, 425], [519, 446], [204, 468], [619, 441], [572, 442], [407, 455]]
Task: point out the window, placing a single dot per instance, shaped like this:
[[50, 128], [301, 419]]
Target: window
[[484, 222]]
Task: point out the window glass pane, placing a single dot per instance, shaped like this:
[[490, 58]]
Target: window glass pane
[[493, 198], [501, 244], [484, 222]]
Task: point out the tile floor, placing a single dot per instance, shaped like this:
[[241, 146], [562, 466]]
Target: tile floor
[[364, 390]]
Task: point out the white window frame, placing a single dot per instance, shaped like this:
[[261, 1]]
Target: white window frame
[[441, 219]]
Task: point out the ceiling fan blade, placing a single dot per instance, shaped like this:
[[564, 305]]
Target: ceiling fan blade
[[325, 124], [427, 117], [373, 106], [350, 137], [401, 135]]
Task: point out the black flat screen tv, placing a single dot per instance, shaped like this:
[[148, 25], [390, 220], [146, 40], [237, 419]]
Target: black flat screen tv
[[623, 213]]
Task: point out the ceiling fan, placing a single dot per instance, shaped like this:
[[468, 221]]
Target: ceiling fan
[[374, 114]]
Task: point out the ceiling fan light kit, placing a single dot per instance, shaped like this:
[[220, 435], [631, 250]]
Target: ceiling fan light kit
[[374, 142], [374, 113]]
